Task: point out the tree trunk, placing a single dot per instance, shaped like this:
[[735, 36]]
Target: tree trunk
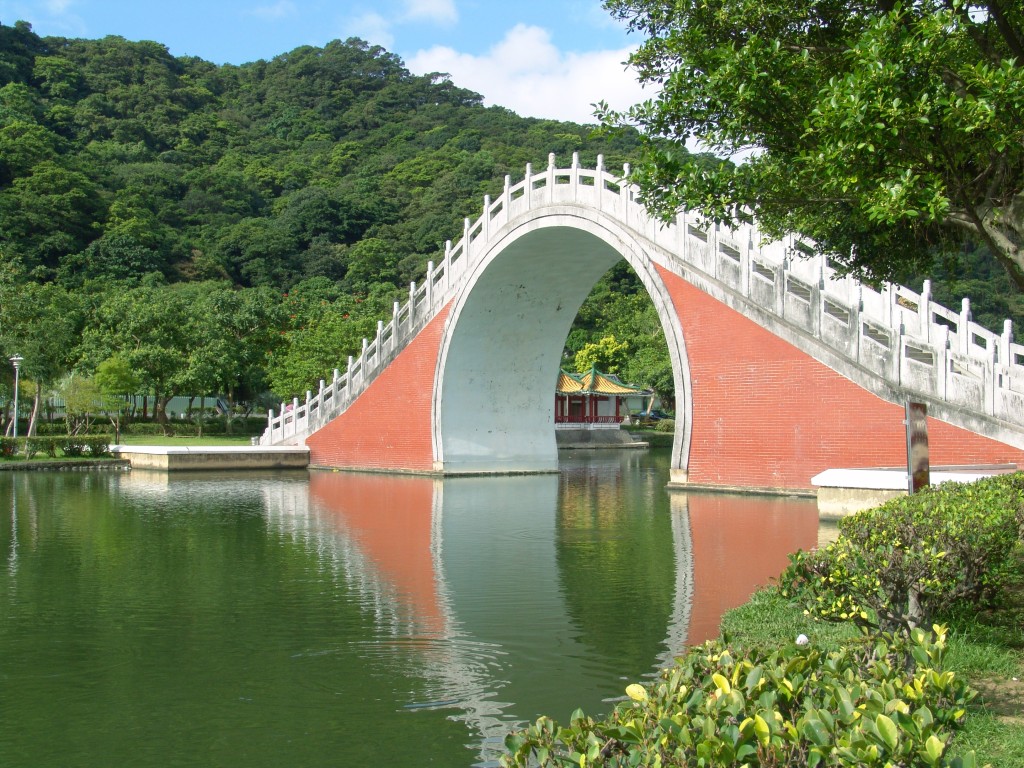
[[36, 399], [160, 412]]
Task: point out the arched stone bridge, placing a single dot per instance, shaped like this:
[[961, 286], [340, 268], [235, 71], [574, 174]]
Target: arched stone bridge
[[782, 369]]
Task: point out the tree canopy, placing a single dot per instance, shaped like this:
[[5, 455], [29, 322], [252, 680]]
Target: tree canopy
[[888, 132]]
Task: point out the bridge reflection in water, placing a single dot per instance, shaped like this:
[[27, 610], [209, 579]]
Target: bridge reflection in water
[[520, 595]]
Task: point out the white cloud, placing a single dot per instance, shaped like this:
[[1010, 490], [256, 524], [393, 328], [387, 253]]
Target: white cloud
[[526, 73], [58, 7], [373, 28], [441, 11], [279, 10]]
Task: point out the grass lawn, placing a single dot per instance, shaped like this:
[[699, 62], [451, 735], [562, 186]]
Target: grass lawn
[[185, 440], [985, 647], [15, 461]]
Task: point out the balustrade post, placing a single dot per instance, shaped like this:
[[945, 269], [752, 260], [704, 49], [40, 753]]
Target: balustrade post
[[1005, 357], [348, 377], [898, 353], [943, 363], [990, 386], [817, 299], [465, 241], [551, 177], [528, 188], [625, 192], [574, 176], [430, 283], [412, 305], [780, 285], [599, 182], [745, 265], [270, 424], [963, 330], [485, 230], [924, 310], [682, 241]]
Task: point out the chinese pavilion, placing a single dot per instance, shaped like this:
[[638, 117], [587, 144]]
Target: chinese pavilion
[[595, 399]]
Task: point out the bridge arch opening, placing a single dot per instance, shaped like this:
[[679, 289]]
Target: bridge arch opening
[[493, 407]]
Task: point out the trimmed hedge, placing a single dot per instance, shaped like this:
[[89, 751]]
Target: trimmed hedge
[[94, 446]]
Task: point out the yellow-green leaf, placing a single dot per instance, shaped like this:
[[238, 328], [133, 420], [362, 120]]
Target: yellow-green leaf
[[888, 731], [636, 692], [721, 682]]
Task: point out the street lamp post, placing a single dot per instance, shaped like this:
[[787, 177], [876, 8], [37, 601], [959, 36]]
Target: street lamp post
[[16, 362]]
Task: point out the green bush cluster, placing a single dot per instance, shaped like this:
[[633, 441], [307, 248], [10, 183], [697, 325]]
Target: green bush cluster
[[665, 425], [905, 563], [794, 706], [93, 446]]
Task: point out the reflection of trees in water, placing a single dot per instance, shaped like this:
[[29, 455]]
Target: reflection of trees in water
[[616, 559]]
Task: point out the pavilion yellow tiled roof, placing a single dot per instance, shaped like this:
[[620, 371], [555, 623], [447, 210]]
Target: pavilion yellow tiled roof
[[593, 382]]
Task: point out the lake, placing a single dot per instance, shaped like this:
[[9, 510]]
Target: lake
[[336, 619]]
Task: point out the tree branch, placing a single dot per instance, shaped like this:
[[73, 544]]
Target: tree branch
[[1010, 36]]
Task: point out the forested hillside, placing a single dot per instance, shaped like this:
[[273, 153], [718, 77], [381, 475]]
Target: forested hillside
[[231, 229]]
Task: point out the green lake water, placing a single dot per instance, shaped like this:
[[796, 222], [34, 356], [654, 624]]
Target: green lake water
[[335, 619]]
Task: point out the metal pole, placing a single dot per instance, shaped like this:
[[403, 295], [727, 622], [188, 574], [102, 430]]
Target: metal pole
[[16, 361]]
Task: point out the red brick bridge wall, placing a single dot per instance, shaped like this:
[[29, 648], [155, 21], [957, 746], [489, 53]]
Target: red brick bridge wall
[[767, 415], [389, 425]]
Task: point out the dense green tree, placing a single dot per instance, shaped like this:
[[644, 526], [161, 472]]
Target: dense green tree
[[117, 383], [19, 47], [234, 334], [323, 334], [148, 327], [41, 323], [880, 130], [47, 215], [608, 355]]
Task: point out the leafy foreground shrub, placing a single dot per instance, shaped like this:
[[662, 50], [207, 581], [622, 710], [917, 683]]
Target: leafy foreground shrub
[[8, 447], [902, 564], [795, 706], [665, 425]]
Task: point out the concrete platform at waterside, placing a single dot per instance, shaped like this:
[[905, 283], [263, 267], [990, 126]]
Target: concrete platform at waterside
[[178, 458], [842, 492]]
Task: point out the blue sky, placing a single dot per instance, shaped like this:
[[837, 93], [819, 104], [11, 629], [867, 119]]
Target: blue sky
[[540, 59]]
